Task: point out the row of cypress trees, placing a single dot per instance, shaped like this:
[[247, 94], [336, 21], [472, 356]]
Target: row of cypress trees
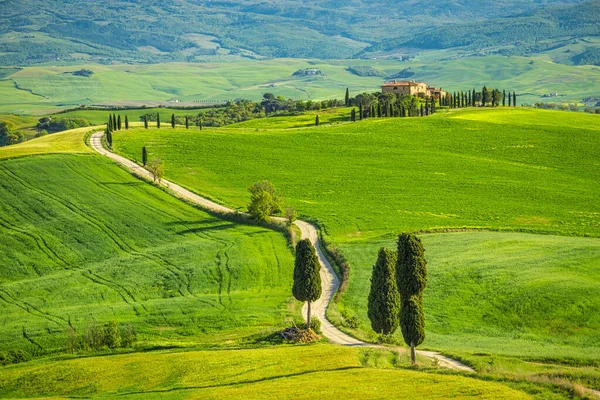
[[391, 110], [471, 98], [396, 295], [173, 122]]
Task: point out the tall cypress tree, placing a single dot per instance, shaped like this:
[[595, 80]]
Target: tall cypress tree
[[509, 99], [411, 275], [115, 126], [504, 98], [353, 115], [307, 279], [473, 98], [378, 110], [384, 298], [187, 122], [347, 98], [514, 99], [360, 111], [172, 120], [110, 123], [200, 124], [391, 110], [119, 122], [317, 120], [494, 99], [126, 122], [144, 156], [145, 122], [158, 120], [484, 96], [422, 113]]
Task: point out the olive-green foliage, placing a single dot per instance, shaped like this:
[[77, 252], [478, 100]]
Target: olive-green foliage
[[411, 273], [264, 200], [384, 298], [412, 320], [157, 169], [172, 120], [52, 124], [7, 137], [307, 280]]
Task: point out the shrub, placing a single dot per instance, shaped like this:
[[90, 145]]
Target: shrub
[[264, 201], [315, 324]]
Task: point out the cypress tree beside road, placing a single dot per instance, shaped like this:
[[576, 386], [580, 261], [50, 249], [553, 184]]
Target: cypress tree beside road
[[514, 99], [119, 122], [384, 298], [144, 156], [353, 115], [411, 275], [126, 122], [157, 120], [146, 122], [307, 279], [172, 120], [187, 123], [504, 98]]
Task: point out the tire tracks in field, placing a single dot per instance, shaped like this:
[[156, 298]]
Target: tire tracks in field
[[121, 289], [183, 276], [31, 309], [329, 279]]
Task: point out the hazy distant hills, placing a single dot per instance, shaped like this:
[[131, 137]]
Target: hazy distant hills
[[36, 31]]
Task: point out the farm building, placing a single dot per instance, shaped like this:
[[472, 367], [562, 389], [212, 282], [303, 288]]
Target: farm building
[[411, 87]]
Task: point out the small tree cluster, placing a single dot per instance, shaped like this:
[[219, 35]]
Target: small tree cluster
[[264, 201], [157, 169], [108, 336]]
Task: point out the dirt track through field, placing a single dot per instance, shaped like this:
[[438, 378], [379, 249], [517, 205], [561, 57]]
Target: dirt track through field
[[330, 281]]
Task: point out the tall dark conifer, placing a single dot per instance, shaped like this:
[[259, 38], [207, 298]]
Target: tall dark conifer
[[504, 98], [307, 279], [119, 122], [360, 111], [411, 275], [347, 98], [514, 99], [145, 122], [172, 120], [126, 122], [158, 120], [384, 298], [353, 115]]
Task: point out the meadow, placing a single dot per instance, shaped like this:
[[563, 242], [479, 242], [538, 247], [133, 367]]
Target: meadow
[[43, 89], [518, 279], [84, 242], [300, 372]]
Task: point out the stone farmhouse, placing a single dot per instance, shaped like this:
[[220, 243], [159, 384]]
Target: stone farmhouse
[[420, 89]]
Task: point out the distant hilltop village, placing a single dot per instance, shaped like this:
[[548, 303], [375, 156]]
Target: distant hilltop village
[[420, 89]]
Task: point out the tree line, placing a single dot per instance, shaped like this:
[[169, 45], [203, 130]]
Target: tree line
[[485, 98]]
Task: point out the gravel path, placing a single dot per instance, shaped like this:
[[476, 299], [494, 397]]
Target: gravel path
[[330, 281]]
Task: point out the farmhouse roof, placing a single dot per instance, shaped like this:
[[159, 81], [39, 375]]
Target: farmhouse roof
[[401, 83]]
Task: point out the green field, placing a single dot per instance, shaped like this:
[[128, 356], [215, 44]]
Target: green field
[[304, 372], [83, 240], [41, 89], [507, 294], [384, 176]]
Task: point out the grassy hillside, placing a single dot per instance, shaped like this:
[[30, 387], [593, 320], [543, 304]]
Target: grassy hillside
[[40, 89], [304, 372], [375, 177], [84, 241], [499, 293]]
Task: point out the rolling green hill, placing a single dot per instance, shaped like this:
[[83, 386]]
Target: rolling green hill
[[84, 241], [41, 90], [37, 31], [491, 294]]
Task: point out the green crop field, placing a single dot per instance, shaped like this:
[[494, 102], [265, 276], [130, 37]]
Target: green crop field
[[382, 176], [304, 372], [503, 293], [83, 240], [40, 89]]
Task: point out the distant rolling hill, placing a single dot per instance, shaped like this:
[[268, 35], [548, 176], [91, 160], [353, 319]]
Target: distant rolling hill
[[36, 31]]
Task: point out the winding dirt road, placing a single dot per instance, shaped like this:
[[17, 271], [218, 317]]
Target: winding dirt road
[[330, 281]]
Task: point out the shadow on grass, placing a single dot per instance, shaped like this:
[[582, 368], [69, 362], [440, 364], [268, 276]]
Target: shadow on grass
[[222, 385]]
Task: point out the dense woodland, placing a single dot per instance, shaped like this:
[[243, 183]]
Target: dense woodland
[[157, 31]]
